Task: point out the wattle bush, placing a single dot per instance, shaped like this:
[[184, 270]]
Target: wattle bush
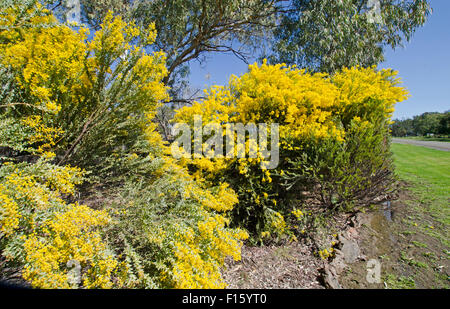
[[334, 142], [91, 103]]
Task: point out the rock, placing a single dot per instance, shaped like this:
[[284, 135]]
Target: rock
[[354, 222], [349, 249], [359, 219], [338, 262], [330, 278], [352, 232]]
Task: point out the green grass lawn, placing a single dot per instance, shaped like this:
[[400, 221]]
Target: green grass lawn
[[427, 220], [416, 163], [428, 173]]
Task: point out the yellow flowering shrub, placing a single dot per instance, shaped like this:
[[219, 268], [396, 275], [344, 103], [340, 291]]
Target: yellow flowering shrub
[[43, 65], [49, 62], [169, 223], [120, 100], [333, 139], [71, 237], [377, 94], [40, 231], [301, 103], [200, 255], [100, 93], [175, 233], [92, 103], [9, 213]]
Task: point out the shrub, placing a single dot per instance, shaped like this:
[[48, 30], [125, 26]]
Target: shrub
[[171, 231], [101, 93], [334, 145], [40, 232], [67, 99]]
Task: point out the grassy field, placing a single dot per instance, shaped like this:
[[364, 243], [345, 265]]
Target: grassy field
[[428, 173], [426, 219]]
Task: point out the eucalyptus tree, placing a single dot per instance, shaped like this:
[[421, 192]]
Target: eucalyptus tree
[[326, 35], [190, 29], [323, 35]]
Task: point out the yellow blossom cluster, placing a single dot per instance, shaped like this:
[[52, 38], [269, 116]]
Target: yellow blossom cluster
[[318, 115], [199, 251], [298, 214], [42, 55], [49, 232], [222, 199], [277, 223], [17, 17], [199, 256], [329, 252], [42, 136], [300, 102], [364, 92], [303, 104], [276, 226], [72, 237], [59, 71], [325, 254], [38, 190], [9, 213], [186, 237]]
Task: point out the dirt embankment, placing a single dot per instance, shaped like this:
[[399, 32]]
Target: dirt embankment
[[407, 242], [386, 247]]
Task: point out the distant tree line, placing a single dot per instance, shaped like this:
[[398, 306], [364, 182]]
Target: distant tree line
[[422, 125]]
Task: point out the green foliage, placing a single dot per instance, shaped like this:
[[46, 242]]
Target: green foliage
[[40, 233], [188, 30], [158, 219], [327, 35], [350, 174], [421, 125], [92, 103], [402, 128], [99, 95], [334, 141], [401, 282], [444, 124]]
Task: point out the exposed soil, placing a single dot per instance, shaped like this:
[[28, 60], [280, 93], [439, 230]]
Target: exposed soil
[[409, 255]]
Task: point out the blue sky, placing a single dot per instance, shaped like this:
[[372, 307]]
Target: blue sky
[[423, 65]]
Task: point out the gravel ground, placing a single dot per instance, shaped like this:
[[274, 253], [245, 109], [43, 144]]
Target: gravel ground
[[444, 146]]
